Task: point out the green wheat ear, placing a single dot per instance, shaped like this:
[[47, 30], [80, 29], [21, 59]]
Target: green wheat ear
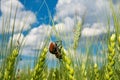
[[83, 71], [96, 72], [54, 75], [40, 66], [44, 75], [111, 61], [77, 35], [67, 63], [9, 70]]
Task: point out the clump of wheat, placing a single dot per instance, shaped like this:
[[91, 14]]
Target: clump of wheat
[[83, 71], [85, 75], [9, 70], [54, 75], [119, 39], [67, 63], [96, 71], [111, 50], [118, 43], [1, 74], [44, 76], [39, 67]]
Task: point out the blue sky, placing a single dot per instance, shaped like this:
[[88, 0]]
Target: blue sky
[[42, 14], [64, 13]]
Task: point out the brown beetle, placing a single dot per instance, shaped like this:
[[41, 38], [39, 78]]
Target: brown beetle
[[55, 48]]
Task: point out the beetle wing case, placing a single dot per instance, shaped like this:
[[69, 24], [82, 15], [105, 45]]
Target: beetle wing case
[[52, 47]]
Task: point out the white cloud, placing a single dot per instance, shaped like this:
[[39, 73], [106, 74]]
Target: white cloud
[[96, 11], [23, 17], [65, 26], [37, 35], [95, 30], [65, 29], [36, 39], [69, 8], [101, 3], [9, 6]]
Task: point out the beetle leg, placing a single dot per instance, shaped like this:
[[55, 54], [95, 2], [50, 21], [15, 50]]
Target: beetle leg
[[58, 55]]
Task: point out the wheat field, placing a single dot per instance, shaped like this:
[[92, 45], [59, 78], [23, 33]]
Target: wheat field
[[74, 65]]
